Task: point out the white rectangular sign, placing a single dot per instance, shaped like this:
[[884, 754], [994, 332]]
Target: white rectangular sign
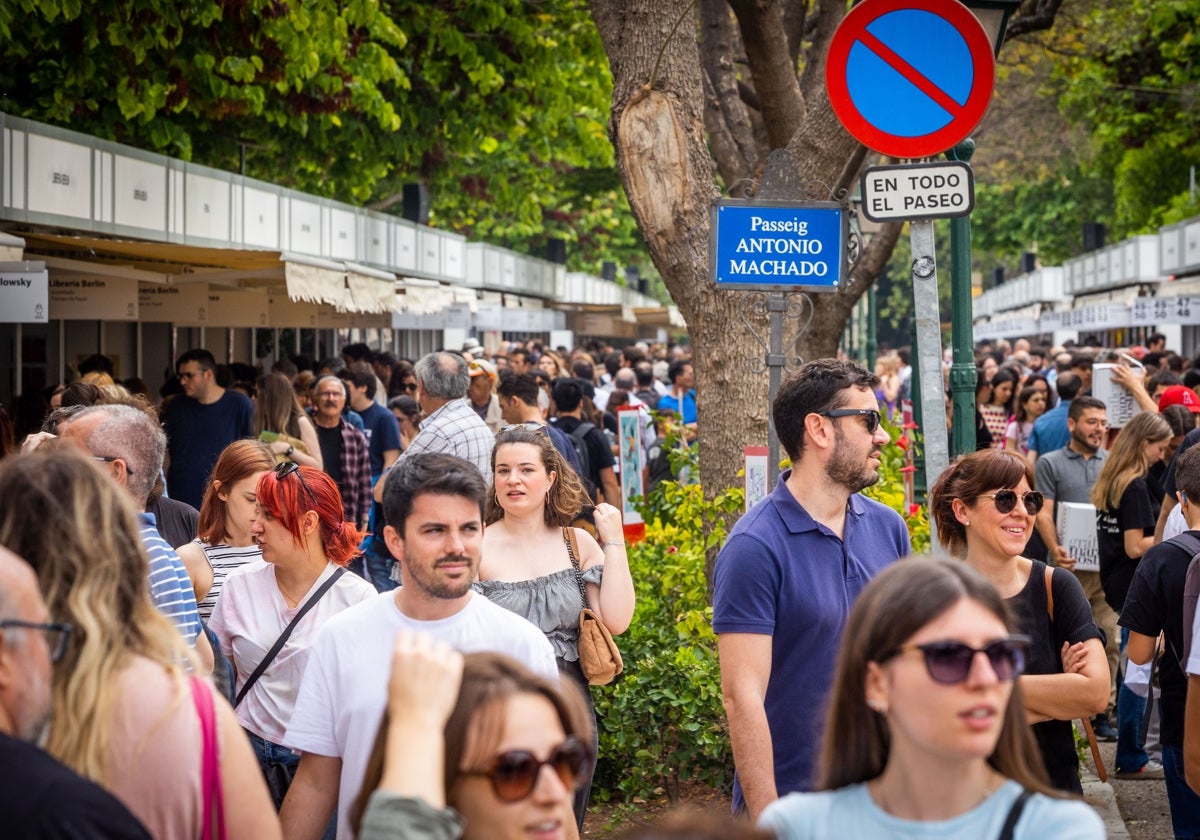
[[757, 483], [1117, 399], [24, 293], [185, 304], [84, 297], [918, 191]]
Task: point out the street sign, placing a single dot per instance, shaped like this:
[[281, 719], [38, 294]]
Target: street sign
[[940, 190], [910, 78], [788, 245]]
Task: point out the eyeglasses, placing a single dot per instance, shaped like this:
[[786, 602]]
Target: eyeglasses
[[287, 468], [57, 634], [330, 395], [409, 386], [110, 458], [1006, 501], [871, 416], [949, 663], [189, 374], [530, 425], [514, 774]]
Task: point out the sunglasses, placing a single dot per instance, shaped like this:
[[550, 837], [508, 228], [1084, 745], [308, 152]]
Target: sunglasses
[[409, 386], [514, 774], [1006, 501], [949, 663], [870, 415], [528, 425], [287, 468]]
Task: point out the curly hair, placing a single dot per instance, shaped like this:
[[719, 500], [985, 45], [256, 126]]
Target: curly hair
[[565, 498]]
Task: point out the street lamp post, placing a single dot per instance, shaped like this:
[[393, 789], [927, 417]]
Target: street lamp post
[[994, 16]]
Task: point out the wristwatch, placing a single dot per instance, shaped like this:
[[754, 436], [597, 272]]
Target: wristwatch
[[290, 450]]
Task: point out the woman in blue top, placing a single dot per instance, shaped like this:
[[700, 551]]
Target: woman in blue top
[[925, 736]]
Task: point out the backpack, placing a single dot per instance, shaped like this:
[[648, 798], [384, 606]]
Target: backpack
[[1191, 590], [581, 450]]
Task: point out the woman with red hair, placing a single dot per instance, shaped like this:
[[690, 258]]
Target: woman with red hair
[[269, 613]]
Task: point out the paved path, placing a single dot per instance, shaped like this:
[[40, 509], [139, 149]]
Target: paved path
[[1130, 809]]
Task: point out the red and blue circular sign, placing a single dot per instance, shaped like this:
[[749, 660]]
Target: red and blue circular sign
[[910, 78]]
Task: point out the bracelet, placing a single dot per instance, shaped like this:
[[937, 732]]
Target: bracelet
[[290, 450], [605, 545]]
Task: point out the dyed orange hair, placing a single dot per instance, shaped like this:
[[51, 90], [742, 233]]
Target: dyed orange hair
[[287, 500]]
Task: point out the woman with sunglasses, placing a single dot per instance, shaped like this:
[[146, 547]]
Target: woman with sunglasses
[[305, 542], [474, 747], [223, 541], [529, 563], [926, 737], [408, 414], [126, 714], [1126, 515], [984, 507]]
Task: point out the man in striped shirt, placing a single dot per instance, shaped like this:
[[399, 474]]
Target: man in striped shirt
[[131, 443]]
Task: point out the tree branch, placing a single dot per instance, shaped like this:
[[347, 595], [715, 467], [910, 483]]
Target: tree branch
[[829, 14], [1034, 16], [726, 116], [765, 39]]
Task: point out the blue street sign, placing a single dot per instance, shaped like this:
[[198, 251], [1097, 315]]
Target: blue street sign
[[786, 245]]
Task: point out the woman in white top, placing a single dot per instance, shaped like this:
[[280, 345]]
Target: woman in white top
[[305, 543], [223, 541], [926, 737]]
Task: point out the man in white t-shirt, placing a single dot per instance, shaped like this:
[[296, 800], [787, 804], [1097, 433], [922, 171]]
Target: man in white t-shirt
[[434, 503]]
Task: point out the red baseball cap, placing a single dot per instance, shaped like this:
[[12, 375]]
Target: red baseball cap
[[1180, 395]]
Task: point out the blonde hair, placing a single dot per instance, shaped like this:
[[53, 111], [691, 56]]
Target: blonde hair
[[1127, 460], [78, 529]]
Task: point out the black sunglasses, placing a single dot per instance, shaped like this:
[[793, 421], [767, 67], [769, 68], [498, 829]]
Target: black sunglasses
[[949, 662], [287, 468], [871, 416], [409, 386], [514, 774], [528, 425], [1006, 501], [57, 634]]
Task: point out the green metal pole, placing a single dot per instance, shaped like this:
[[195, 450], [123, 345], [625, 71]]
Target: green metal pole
[[872, 336], [919, 456], [962, 371]]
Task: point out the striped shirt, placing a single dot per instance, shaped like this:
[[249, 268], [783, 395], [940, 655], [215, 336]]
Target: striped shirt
[[170, 587], [223, 559]]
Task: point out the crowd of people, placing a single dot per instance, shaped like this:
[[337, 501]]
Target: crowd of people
[[343, 600]]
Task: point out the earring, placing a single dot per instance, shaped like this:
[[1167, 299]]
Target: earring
[[877, 707], [966, 524]]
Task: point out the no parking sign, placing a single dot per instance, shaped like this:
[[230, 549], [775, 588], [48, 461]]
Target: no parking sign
[[910, 78]]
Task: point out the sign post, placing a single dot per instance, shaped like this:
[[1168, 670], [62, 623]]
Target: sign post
[[910, 79]]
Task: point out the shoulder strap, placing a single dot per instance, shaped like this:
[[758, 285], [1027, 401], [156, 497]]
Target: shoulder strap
[[1014, 814], [573, 553], [285, 635], [1050, 591]]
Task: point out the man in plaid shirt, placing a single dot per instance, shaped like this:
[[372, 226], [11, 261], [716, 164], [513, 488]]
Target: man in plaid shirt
[[451, 424], [344, 449]]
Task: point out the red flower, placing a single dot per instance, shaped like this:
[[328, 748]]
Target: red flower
[[913, 510], [909, 469], [672, 549], [903, 443], [910, 426]]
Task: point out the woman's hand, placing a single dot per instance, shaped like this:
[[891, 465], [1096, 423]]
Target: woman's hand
[[426, 677], [1074, 657], [608, 524]]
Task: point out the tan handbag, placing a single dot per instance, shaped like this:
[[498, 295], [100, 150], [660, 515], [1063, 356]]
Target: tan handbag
[[599, 657]]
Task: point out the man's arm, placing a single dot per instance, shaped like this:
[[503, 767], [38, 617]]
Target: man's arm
[[1168, 505], [311, 799], [745, 671], [1191, 734], [1139, 647]]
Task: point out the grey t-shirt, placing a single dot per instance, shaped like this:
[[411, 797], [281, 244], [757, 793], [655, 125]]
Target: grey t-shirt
[[1066, 476]]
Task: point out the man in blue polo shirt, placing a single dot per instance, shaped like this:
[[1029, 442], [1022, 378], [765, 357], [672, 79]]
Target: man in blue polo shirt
[[790, 571]]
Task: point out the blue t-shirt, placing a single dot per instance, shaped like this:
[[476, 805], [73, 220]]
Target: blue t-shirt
[[196, 435], [1050, 430], [783, 575], [383, 433], [668, 402], [851, 812]]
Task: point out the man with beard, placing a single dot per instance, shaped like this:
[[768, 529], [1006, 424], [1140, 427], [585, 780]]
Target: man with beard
[[1067, 475], [434, 504], [790, 571]]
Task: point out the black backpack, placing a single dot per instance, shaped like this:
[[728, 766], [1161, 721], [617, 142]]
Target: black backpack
[[1191, 590], [581, 450]]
